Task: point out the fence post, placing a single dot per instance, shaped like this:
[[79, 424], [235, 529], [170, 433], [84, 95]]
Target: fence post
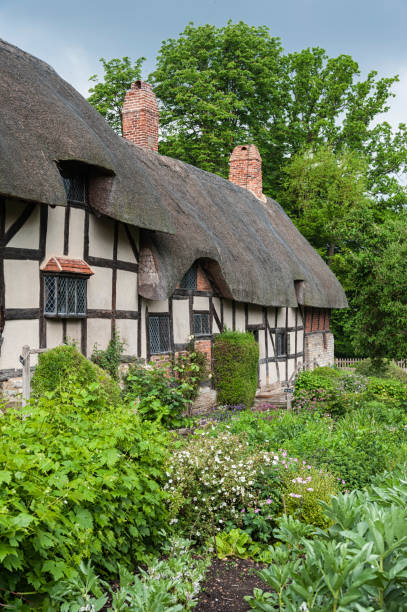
[[25, 360]]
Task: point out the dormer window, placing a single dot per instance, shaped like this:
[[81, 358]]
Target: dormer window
[[190, 279], [75, 187]]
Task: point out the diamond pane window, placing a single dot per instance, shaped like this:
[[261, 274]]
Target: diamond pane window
[[201, 324], [190, 279], [159, 332], [64, 296], [75, 188]]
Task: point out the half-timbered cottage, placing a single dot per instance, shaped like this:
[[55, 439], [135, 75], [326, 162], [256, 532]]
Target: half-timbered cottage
[[101, 233]]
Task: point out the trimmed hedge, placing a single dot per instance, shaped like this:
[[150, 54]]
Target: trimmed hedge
[[236, 356], [60, 366]]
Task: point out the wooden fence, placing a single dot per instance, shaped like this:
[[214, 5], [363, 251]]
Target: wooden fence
[[350, 362]]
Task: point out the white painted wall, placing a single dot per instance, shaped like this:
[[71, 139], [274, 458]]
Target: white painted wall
[[76, 233], [180, 309], [126, 290], [22, 282], [124, 250], [99, 332], [201, 303], [100, 289], [101, 234], [157, 306], [55, 231], [127, 329], [28, 236], [16, 335]]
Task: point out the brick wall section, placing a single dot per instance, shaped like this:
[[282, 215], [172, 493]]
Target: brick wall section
[[245, 169], [140, 116], [205, 347], [202, 282], [318, 348]]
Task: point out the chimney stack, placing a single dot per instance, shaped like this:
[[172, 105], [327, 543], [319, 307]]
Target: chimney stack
[[140, 116], [245, 169]]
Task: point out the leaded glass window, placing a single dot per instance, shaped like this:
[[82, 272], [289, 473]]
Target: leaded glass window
[[190, 279], [75, 187], [64, 296], [159, 332], [201, 324], [282, 342]]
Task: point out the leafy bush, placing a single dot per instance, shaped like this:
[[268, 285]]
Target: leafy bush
[[235, 357], [238, 543], [110, 358], [158, 396], [168, 585], [386, 369], [388, 389], [359, 563], [191, 368], [59, 367], [215, 481], [303, 492], [80, 480]]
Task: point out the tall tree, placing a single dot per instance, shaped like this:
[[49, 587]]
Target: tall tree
[[107, 96]]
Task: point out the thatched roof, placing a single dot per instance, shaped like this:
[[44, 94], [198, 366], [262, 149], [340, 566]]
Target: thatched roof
[[252, 248], [44, 120]]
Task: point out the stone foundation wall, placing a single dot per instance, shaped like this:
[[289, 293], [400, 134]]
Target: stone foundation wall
[[319, 346]]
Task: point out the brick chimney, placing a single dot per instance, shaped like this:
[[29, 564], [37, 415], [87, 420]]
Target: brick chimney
[[245, 169], [140, 116]]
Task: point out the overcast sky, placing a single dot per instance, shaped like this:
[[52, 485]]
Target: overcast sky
[[72, 35]]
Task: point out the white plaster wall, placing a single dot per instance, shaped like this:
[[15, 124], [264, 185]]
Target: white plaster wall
[[55, 231], [261, 343], [273, 373], [216, 305], [292, 342], [124, 250], [100, 289], [54, 332], [281, 317], [240, 317], [16, 335], [291, 367], [180, 309], [215, 327], [127, 329], [143, 329], [227, 314], [73, 331], [99, 332], [157, 306], [300, 341], [28, 237], [126, 290], [262, 375], [255, 314], [76, 233], [291, 317], [271, 314], [101, 234], [22, 281], [201, 303]]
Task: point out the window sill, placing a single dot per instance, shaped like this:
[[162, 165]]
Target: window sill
[[64, 316]]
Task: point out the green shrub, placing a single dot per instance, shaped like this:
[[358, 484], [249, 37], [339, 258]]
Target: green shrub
[[157, 395], [60, 366], [235, 356], [215, 481], [80, 480], [110, 358], [191, 368], [303, 492], [386, 369], [358, 564], [387, 389]]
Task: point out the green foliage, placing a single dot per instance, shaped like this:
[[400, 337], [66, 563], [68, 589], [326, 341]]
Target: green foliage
[[63, 366], [81, 479], [388, 389], [235, 357], [237, 543], [303, 493], [214, 481], [191, 368], [359, 563], [384, 369], [325, 193], [110, 358], [168, 585], [158, 396], [107, 96]]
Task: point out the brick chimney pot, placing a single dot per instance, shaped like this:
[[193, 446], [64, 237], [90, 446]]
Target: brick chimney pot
[[140, 116], [245, 169]]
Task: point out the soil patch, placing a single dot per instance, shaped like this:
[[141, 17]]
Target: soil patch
[[227, 582]]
